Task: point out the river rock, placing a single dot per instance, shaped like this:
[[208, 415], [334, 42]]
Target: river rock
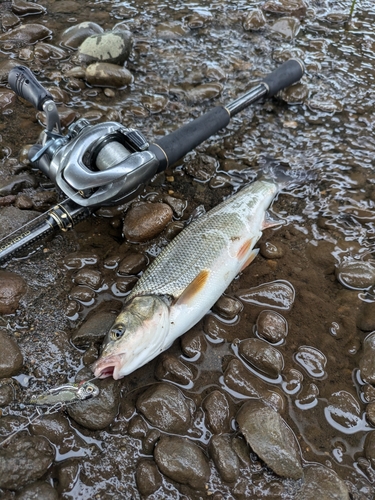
[[182, 461], [9, 20], [193, 343], [270, 438], [369, 447], [23, 8], [12, 287], [218, 330], [292, 7], [217, 411], [24, 460], [15, 184], [37, 491], [367, 361], [200, 166], [356, 274], [111, 47], [97, 413], [26, 33], [75, 35], [271, 326], [11, 359], [166, 408], [227, 307], [312, 360], [287, 27], [262, 356], [225, 458], [7, 391], [77, 260], [82, 293], [45, 51], [88, 277], [169, 367], [324, 483], [132, 263], [94, 328], [271, 251], [254, 21], [343, 412], [67, 475], [103, 74], [366, 317], [278, 294], [148, 477], [144, 221], [370, 413]]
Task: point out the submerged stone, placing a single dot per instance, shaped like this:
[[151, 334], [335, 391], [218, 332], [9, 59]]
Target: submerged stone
[[254, 21], [112, 47], [146, 220], [287, 27], [321, 482], [75, 35], [271, 326], [26, 33], [217, 410], [271, 438], [262, 356], [12, 288], [148, 477], [225, 458], [11, 359], [103, 74], [358, 274], [367, 361]]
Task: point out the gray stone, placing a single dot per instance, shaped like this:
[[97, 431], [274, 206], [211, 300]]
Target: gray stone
[[271, 438], [24, 8], [104, 74], [24, 460], [112, 47], [11, 359], [324, 483], [292, 7], [165, 407], [132, 263], [183, 461]]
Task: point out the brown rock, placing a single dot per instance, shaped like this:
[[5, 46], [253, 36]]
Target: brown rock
[[146, 220], [12, 287], [11, 359]]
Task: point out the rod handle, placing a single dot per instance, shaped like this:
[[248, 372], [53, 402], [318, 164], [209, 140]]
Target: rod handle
[[24, 83], [285, 75]]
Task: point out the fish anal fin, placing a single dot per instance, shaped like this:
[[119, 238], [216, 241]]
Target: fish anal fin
[[196, 286], [250, 259]]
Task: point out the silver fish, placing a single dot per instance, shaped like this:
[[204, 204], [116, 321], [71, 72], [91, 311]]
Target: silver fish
[[186, 279]]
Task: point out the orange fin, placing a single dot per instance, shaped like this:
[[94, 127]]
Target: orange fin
[[195, 287], [252, 256], [244, 250]]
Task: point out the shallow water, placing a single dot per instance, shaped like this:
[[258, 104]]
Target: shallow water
[[323, 125]]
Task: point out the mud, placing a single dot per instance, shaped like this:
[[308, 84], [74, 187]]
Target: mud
[[170, 429]]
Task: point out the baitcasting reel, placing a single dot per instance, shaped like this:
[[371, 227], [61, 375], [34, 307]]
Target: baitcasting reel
[[107, 163]]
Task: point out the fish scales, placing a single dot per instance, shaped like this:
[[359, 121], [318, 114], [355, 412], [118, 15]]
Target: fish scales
[[201, 243]]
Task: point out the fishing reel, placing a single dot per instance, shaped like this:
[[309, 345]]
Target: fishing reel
[[107, 163], [93, 165]]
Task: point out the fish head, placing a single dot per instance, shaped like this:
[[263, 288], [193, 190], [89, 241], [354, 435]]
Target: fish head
[[137, 336]]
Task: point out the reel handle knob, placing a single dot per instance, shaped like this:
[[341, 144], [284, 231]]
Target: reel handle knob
[[23, 82]]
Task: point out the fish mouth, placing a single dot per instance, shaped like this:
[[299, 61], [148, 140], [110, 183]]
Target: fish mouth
[[108, 367]]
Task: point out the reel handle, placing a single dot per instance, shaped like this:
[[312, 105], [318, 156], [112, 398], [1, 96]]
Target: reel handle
[[176, 145], [23, 82]]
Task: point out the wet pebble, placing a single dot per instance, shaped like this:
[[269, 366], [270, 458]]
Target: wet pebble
[[24, 460], [11, 359], [88, 277], [104, 74], [307, 398], [271, 438], [286, 27], [77, 260], [193, 343], [15, 184], [217, 411], [367, 361], [46, 51], [254, 21], [94, 328], [204, 91], [369, 447], [200, 166], [165, 407], [24, 8], [218, 330], [169, 367], [36, 491], [132, 263], [26, 33], [9, 20], [7, 391], [7, 98], [182, 461], [358, 274], [75, 35], [312, 360], [67, 475], [125, 284], [227, 307], [321, 482], [224, 458], [12, 288], [148, 477], [293, 7], [82, 294], [5, 66], [177, 205], [343, 411], [262, 356], [97, 413], [110, 47], [325, 103], [292, 381], [56, 428], [366, 317], [271, 251], [278, 294], [271, 326], [146, 220]]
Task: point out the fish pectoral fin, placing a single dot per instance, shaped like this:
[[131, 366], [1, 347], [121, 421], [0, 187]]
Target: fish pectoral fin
[[250, 259], [271, 221], [193, 289]]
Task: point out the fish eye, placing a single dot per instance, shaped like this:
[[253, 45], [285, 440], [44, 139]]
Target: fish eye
[[117, 332]]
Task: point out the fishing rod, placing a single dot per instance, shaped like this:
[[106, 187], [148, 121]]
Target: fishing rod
[[107, 164]]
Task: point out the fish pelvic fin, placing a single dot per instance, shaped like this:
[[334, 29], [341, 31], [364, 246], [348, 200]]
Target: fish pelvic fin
[[250, 259], [283, 175], [194, 288]]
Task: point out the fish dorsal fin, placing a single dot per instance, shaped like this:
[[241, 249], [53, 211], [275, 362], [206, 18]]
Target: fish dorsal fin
[[193, 289]]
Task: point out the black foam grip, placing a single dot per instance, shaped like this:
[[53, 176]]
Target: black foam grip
[[23, 82], [174, 146], [288, 73]]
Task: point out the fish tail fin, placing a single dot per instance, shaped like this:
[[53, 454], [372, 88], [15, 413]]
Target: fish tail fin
[[283, 175]]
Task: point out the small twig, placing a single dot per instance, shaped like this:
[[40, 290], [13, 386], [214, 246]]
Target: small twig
[[352, 8]]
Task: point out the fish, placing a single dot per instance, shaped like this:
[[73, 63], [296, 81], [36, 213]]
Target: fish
[[188, 276]]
